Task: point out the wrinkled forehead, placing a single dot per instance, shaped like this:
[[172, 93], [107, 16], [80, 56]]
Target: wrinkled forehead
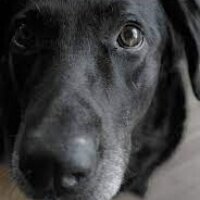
[[84, 5], [101, 15], [146, 10]]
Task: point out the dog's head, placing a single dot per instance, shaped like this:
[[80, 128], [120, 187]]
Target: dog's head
[[85, 74]]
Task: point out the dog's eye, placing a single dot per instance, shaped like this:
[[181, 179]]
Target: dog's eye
[[130, 37], [24, 38]]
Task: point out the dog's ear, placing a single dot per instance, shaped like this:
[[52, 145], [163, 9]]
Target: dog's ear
[[184, 16]]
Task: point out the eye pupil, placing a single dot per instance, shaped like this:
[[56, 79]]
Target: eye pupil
[[130, 37]]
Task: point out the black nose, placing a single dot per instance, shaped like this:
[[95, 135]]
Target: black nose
[[79, 161], [63, 166]]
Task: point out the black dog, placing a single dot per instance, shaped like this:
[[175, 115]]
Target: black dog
[[92, 97]]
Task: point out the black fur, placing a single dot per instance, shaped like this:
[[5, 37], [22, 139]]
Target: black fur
[[81, 83]]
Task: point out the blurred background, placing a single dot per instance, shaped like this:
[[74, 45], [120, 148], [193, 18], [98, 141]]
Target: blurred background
[[178, 179]]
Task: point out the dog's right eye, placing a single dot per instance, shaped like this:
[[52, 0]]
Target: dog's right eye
[[130, 37], [24, 38]]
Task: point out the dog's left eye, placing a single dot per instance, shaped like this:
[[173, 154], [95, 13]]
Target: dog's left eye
[[130, 37], [24, 39]]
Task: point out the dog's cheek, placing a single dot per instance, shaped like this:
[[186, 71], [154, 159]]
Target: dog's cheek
[[114, 166], [146, 82]]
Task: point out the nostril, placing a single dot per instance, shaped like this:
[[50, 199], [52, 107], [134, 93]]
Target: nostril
[[37, 171]]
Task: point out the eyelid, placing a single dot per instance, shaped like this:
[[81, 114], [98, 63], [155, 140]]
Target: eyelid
[[17, 21], [136, 24], [23, 17], [130, 17]]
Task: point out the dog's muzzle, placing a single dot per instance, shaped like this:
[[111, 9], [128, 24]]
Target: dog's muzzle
[[63, 167]]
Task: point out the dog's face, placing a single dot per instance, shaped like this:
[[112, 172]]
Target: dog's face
[[87, 72], [92, 71]]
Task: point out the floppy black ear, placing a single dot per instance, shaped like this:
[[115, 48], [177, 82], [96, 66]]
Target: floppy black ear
[[184, 16]]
